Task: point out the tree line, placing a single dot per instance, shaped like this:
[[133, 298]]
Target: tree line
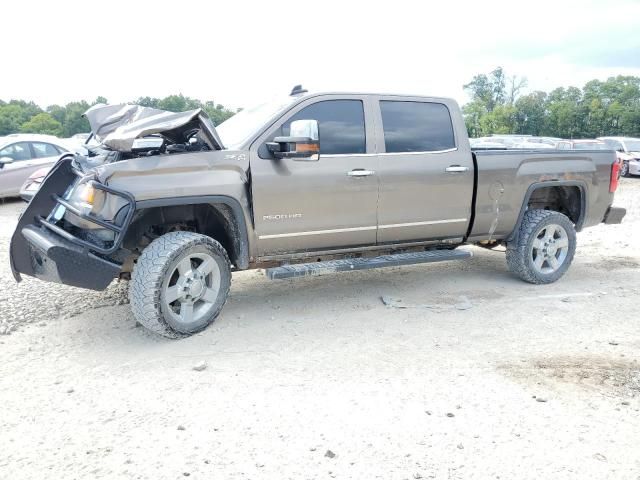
[[600, 108], [497, 105], [20, 116]]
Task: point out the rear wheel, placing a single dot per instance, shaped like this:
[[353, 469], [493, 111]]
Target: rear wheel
[[544, 248], [180, 284]]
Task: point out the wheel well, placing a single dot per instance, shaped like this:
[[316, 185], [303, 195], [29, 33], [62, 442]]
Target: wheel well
[[561, 198], [214, 220]]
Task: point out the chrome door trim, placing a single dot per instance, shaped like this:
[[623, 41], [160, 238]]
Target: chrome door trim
[[431, 222], [316, 232], [360, 229], [448, 150]]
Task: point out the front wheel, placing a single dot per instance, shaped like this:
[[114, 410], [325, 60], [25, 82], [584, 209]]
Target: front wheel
[[624, 169], [544, 247], [180, 284]]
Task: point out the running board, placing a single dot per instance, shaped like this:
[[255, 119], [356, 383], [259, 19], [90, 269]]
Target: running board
[[351, 264]]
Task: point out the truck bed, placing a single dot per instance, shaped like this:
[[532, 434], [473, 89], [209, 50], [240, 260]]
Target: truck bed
[[505, 179]]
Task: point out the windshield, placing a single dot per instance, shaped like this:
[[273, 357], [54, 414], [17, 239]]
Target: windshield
[[632, 145], [245, 123], [590, 146]]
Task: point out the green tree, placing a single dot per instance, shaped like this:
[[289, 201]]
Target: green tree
[[42, 123], [10, 116], [502, 119], [57, 112], [473, 112], [531, 113], [74, 121], [489, 90]]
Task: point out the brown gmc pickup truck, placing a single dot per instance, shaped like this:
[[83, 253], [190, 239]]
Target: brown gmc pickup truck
[[301, 185]]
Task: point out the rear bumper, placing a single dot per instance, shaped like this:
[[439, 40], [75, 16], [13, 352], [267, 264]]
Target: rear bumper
[[55, 259], [614, 215]]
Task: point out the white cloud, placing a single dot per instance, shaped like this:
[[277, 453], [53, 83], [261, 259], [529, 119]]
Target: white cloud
[[239, 52]]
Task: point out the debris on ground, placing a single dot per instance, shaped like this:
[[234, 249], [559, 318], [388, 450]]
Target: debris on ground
[[329, 454], [200, 366], [398, 303], [463, 303]]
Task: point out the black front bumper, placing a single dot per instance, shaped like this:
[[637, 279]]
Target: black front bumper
[[614, 215], [42, 249], [55, 259]]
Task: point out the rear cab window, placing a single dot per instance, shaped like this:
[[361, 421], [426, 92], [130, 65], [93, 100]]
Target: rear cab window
[[411, 126]]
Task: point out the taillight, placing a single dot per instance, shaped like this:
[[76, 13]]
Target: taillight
[[615, 175]]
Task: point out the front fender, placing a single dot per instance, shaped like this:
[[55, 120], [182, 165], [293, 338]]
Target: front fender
[[240, 214]]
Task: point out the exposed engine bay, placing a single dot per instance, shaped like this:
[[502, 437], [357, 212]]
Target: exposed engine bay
[[124, 132]]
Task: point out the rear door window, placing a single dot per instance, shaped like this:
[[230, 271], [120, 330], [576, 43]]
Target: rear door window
[[416, 126], [340, 125], [44, 150]]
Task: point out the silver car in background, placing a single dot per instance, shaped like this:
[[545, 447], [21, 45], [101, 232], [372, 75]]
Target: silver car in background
[[628, 151], [23, 154]]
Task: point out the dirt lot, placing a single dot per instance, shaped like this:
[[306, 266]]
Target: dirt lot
[[317, 378]]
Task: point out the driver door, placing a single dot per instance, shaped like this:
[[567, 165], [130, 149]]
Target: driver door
[[302, 205]]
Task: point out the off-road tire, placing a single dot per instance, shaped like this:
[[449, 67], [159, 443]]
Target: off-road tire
[[151, 269], [519, 258]]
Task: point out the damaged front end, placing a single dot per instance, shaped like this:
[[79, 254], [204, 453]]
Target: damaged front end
[[44, 244], [64, 235]]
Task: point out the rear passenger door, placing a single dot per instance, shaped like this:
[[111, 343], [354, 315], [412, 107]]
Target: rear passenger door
[[426, 171]]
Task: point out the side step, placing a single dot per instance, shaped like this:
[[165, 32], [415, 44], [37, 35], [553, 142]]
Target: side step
[[351, 264]]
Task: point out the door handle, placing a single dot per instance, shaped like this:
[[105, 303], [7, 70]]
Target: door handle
[[456, 169], [360, 172]]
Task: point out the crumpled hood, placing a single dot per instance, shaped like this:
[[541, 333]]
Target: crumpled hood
[[117, 126]]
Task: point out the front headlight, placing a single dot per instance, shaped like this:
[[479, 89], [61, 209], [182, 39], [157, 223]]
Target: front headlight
[[83, 197]]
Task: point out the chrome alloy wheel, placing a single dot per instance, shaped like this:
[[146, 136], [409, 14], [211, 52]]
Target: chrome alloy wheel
[[549, 249], [191, 289]]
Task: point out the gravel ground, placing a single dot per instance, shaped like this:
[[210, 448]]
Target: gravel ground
[[34, 301], [483, 376]]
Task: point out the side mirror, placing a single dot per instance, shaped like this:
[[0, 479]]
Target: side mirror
[[5, 160], [621, 150], [302, 144]]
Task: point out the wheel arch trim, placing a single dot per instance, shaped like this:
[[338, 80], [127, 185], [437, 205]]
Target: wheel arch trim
[[232, 203], [582, 187]]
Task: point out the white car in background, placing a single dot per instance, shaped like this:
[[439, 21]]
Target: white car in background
[[532, 145], [628, 151], [23, 154], [79, 144]]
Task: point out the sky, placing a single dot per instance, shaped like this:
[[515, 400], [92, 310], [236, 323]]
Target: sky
[[239, 53]]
